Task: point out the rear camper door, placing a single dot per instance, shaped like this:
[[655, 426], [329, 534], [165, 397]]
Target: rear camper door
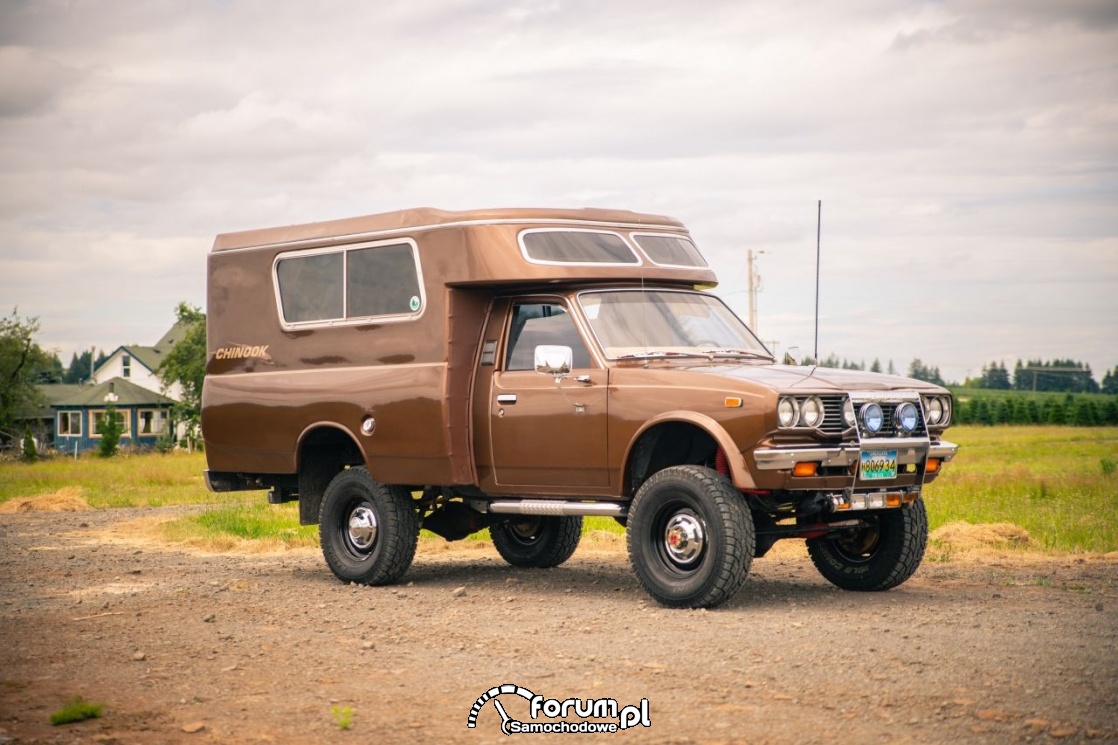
[[542, 434]]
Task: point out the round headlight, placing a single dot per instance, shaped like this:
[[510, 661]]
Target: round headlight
[[811, 412], [872, 417], [848, 413], [906, 416], [935, 410], [787, 412], [946, 410]]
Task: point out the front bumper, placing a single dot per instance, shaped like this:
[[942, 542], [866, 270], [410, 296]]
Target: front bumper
[[838, 466], [914, 450]]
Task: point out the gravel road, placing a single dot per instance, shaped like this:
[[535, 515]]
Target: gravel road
[[200, 648]]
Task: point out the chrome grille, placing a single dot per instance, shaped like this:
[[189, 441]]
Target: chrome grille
[[832, 418]]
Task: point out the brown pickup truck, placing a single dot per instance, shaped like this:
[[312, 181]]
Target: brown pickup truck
[[515, 370]]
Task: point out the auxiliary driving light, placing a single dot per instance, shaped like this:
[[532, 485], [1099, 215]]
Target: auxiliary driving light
[[907, 417], [873, 418]]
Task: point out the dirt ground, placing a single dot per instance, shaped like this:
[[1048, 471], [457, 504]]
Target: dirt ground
[[188, 647]]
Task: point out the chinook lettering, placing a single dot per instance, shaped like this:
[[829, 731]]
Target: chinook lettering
[[243, 351]]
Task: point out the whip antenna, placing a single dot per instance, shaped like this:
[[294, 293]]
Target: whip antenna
[[818, 234]]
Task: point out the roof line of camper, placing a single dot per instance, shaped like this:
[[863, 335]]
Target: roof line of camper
[[353, 237]]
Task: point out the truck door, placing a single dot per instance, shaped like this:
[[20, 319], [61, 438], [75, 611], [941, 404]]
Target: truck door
[[543, 434]]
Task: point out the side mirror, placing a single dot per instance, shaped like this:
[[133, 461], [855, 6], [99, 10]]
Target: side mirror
[[793, 356], [554, 360]]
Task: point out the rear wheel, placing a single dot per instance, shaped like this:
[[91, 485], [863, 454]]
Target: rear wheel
[[690, 537], [368, 530], [537, 541], [877, 557]]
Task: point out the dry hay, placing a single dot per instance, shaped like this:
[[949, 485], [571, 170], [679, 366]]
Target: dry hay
[[66, 499], [962, 537]]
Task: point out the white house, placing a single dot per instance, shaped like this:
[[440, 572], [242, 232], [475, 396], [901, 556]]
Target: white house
[[138, 364]]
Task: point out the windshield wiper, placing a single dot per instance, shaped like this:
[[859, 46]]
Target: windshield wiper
[[658, 353], [738, 353]]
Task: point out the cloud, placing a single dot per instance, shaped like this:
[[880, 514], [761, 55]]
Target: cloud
[[966, 154]]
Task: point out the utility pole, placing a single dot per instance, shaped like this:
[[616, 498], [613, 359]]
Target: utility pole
[[754, 280]]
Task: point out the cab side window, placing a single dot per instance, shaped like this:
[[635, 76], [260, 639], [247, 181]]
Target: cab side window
[[542, 323]]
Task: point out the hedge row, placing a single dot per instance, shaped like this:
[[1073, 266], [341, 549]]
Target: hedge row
[[1077, 411]]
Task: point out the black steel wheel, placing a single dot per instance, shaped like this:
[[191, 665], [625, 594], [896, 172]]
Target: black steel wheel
[[537, 541], [368, 530], [690, 537], [877, 557]]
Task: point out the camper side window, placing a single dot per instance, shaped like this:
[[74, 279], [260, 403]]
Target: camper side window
[[381, 281], [311, 287], [349, 285]]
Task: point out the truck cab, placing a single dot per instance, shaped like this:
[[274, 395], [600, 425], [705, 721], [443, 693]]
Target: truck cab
[[517, 370]]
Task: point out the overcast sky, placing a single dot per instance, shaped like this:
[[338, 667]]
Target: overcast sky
[[966, 153]]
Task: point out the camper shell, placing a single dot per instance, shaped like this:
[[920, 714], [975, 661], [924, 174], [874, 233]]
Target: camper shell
[[519, 369]]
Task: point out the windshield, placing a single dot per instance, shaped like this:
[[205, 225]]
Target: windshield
[[650, 323]]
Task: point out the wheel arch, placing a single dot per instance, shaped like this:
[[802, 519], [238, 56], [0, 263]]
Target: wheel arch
[[647, 452], [323, 450]]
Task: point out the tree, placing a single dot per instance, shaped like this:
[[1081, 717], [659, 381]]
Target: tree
[[30, 452], [876, 366], [983, 414], [927, 373], [1110, 412], [1003, 414], [1110, 381], [995, 377], [1084, 413], [1054, 375], [185, 364], [111, 427], [23, 363], [80, 368]]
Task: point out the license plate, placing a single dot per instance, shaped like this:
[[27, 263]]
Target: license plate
[[879, 464]]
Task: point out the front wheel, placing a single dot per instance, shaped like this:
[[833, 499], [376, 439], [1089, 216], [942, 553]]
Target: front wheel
[[541, 542], [368, 530], [690, 537], [877, 557]]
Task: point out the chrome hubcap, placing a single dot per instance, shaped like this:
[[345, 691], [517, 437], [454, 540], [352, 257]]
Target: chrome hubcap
[[362, 528], [683, 538]]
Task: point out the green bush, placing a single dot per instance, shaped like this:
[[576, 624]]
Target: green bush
[[110, 428], [30, 452], [1084, 414]]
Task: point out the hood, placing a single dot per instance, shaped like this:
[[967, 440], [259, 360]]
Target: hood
[[792, 378]]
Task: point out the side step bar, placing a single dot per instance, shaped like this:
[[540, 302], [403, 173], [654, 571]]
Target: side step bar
[[556, 508]]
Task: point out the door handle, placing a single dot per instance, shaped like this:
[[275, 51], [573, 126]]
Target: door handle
[[506, 398]]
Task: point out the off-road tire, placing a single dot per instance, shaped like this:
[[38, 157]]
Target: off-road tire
[[540, 542], [700, 499], [353, 501], [875, 558]]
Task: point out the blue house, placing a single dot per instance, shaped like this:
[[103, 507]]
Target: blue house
[[77, 410]]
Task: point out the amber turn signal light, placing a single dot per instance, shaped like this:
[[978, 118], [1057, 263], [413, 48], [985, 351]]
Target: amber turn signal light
[[932, 465], [805, 469]]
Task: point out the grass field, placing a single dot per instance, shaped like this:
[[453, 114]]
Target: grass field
[[1058, 483]]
